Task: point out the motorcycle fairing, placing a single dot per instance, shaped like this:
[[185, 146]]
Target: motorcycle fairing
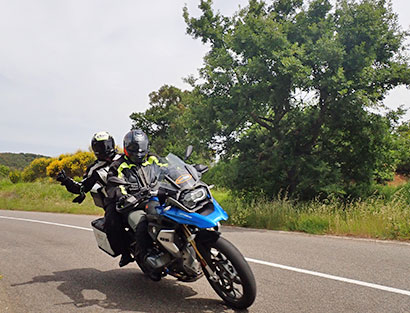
[[201, 221]]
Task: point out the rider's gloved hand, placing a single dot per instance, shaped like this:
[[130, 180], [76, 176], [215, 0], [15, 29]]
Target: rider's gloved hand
[[62, 177], [162, 194], [122, 200], [79, 199], [126, 202], [143, 193]]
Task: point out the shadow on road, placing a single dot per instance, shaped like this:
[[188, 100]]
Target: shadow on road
[[126, 290]]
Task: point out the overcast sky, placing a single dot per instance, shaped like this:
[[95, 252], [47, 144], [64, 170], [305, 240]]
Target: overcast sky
[[70, 68]]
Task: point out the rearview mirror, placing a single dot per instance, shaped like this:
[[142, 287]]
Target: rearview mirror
[[201, 168], [188, 152]]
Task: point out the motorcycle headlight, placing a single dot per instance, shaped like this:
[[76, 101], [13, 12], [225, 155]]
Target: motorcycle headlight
[[190, 199]]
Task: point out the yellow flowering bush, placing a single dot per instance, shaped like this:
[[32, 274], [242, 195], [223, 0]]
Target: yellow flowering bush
[[74, 164], [36, 169]]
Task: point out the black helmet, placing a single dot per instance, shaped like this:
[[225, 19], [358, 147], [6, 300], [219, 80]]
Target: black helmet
[[136, 145], [103, 146]]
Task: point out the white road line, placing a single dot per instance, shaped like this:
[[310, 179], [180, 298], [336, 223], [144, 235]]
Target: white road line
[[44, 222], [338, 278], [284, 267]]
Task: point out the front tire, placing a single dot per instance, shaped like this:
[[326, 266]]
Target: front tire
[[234, 282]]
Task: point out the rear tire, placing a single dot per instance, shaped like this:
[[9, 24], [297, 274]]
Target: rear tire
[[235, 282]]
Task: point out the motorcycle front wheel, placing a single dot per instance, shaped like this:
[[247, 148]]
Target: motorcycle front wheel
[[234, 281]]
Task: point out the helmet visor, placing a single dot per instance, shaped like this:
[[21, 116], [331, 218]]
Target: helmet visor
[[138, 147], [137, 151], [103, 148]]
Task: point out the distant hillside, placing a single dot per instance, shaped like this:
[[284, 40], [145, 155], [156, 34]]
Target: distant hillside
[[18, 160]]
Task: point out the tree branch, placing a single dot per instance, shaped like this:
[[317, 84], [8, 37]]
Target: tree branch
[[259, 120]]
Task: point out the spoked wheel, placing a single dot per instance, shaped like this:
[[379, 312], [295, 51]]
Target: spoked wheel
[[234, 281]]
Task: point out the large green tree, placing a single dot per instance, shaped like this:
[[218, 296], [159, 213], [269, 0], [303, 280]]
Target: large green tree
[[291, 90], [170, 125]]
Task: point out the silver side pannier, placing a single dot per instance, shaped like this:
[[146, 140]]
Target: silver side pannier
[[101, 236]]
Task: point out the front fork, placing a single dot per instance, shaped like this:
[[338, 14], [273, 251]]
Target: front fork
[[190, 238]]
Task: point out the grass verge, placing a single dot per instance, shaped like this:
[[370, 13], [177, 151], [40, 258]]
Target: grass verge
[[386, 215], [375, 217], [44, 197]]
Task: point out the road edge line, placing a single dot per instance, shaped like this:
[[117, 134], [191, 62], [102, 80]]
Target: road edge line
[[284, 267], [328, 276]]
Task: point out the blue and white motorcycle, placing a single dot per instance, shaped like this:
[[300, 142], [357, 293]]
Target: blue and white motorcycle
[[186, 238]]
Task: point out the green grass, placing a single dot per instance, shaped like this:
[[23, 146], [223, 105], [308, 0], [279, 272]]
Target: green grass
[[386, 215], [375, 217], [43, 196]]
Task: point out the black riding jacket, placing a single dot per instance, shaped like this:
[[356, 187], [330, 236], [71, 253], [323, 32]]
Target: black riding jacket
[[141, 175], [94, 180]]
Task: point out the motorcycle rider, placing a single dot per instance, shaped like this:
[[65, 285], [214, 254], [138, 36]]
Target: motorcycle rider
[[95, 177], [135, 167]]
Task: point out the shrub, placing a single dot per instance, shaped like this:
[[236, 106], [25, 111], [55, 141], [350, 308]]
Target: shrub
[[4, 171], [220, 173], [54, 167], [74, 165], [15, 176], [36, 169]]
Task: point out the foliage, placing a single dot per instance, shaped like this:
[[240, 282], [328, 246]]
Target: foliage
[[15, 176], [402, 142], [287, 90], [219, 173], [74, 165], [4, 171], [169, 125], [36, 169], [18, 160], [374, 217]]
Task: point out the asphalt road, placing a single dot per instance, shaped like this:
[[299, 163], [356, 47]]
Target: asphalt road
[[45, 267]]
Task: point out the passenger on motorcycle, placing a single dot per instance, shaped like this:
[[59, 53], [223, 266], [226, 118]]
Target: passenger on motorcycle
[[136, 166], [95, 177]]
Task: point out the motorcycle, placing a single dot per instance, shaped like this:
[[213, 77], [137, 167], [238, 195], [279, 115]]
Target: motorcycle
[[185, 232]]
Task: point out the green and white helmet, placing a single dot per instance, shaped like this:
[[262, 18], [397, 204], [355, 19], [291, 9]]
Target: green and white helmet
[[103, 146]]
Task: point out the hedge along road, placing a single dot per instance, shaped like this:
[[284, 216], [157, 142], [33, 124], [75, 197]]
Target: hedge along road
[[51, 263]]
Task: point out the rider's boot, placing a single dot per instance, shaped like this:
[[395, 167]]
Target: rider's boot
[[125, 259], [143, 243]]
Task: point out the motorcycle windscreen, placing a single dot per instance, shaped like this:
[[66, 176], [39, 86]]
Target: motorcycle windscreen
[[183, 175]]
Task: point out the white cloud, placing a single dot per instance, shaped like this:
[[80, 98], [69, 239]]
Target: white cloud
[[70, 68]]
